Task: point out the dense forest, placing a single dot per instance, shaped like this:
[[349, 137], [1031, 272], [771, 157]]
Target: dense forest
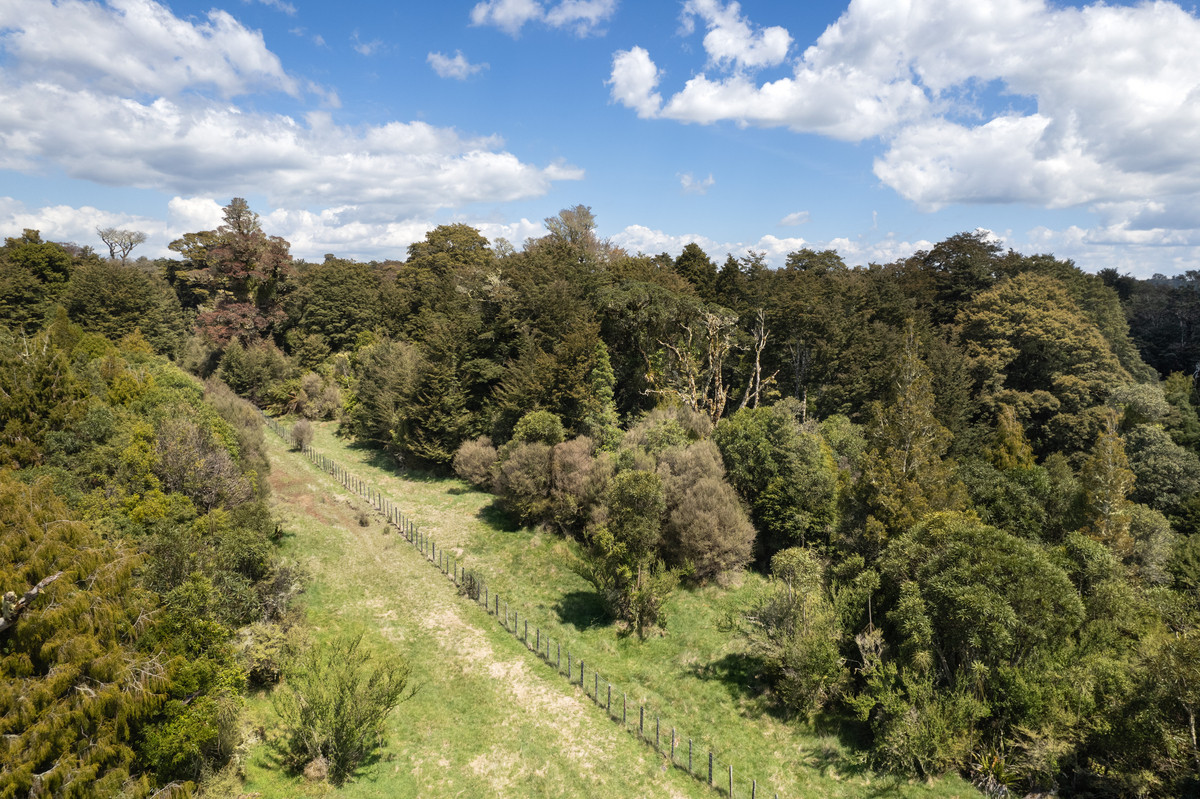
[[972, 475]]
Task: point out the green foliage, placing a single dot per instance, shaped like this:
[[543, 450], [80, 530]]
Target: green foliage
[[335, 703], [33, 276], [1107, 482], [795, 630], [622, 561], [541, 427], [339, 300], [1033, 348], [784, 471], [114, 300], [68, 670], [904, 474], [257, 372]]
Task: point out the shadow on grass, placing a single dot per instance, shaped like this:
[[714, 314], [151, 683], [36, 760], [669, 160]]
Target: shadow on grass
[[497, 518], [583, 610], [739, 672], [278, 756], [386, 462]]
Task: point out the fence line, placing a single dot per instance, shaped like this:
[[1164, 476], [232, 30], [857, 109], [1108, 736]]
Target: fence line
[[473, 586]]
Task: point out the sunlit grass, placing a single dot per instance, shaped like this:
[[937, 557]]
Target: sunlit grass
[[467, 730]]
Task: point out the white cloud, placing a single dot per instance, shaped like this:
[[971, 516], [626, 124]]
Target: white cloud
[[280, 5], [365, 48], [1104, 100], [189, 214], [507, 15], [794, 219], [583, 17], [731, 40], [633, 80], [638, 238], [689, 184], [457, 67], [136, 47], [93, 125], [78, 225]]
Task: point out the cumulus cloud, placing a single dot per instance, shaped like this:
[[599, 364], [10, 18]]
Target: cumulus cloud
[[1105, 99], [731, 39], [689, 184], [457, 67], [583, 17], [66, 223], [634, 78], [794, 219], [136, 47], [95, 124], [639, 238]]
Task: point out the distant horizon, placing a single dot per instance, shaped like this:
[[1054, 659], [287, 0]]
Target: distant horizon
[[863, 127]]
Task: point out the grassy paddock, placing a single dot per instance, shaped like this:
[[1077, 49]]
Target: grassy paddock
[[492, 719]]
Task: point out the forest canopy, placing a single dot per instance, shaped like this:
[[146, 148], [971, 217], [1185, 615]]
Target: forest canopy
[[972, 475]]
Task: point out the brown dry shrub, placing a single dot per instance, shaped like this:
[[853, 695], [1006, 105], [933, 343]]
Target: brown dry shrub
[[578, 482], [475, 462], [706, 526]]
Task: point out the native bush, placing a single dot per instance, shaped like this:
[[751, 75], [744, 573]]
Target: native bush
[[302, 434], [335, 703], [475, 462], [706, 528]]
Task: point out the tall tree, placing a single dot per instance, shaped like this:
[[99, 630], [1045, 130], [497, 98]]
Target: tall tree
[[904, 474]]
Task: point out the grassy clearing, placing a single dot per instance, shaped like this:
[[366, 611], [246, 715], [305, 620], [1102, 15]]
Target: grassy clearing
[[491, 719]]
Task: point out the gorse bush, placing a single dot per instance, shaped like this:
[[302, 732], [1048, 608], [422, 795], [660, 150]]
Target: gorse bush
[[335, 703]]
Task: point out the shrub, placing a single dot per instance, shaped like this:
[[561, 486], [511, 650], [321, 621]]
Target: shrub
[[523, 481], [335, 703], [706, 526], [475, 462], [302, 434], [577, 482], [539, 426]]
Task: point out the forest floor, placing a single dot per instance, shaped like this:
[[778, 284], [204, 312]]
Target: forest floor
[[491, 717]]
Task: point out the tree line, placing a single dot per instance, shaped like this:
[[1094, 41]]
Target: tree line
[[971, 474]]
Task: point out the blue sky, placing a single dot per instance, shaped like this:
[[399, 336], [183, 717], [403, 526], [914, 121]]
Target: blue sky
[[874, 127]]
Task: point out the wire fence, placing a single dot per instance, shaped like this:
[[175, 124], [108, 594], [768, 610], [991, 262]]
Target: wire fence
[[696, 756]]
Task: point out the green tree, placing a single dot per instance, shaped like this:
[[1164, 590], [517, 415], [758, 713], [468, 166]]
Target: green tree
[[794, 628], [339, 300], [114, 300], [904, 474], [1031, 347], [784, 471], [623, 561], [694, 265], [1107, 482]]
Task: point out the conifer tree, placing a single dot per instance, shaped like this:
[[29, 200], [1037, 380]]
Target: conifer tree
[[904, 475], [1107, 482]]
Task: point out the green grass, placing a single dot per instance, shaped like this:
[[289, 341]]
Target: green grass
[[491, 718]]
